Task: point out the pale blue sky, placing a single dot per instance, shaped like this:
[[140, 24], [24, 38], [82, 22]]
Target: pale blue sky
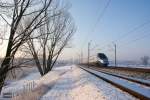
[[120, 17]]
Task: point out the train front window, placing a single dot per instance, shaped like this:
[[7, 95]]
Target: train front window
[[102, 56]]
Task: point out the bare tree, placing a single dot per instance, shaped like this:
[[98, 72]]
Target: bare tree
[[55, 35], [30, 12], [145, 60]]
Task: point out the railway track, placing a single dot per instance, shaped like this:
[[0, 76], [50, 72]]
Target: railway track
[[130, 69], [135, 87], [136, 80], [145, 70]]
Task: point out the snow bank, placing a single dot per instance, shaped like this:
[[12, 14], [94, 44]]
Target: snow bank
[[43, 84], [32, 86]]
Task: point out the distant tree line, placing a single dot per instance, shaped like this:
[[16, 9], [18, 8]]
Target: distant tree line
[[145, 60]]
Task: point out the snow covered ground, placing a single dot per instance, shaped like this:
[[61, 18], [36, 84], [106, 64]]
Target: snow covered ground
[[66, 83]]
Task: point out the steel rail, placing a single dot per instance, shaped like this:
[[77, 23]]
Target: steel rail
[[124, 84]]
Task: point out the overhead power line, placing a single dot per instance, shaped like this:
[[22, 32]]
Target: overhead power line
[[132, 30], [137, 39], [100, 16], [97, 21], [129, 33]]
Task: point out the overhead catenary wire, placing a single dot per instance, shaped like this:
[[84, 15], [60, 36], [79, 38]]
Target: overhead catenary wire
[[138, 34], [132, 30], [95, 25], [97, 21], [129, 33], [136, 39]]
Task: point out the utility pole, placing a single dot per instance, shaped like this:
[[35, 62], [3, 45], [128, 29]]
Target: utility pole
[[78, 58], [88, 52], [81, 57], [115, 54]]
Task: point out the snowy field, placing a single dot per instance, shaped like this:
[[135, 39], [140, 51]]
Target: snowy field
[[132, 65], [64, 83]]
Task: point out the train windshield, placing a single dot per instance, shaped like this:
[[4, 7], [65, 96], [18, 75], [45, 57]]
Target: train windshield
[[102, 56]]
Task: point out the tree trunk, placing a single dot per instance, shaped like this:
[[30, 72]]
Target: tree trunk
[[6, 62], [38, 64], [44, 58], [3, 71]]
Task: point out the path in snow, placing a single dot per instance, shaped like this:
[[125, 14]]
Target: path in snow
[[76, 84]]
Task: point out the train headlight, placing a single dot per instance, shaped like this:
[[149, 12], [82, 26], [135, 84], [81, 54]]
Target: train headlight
[[101, 61]]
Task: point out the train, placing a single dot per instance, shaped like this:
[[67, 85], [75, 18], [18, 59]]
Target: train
[[102, 59]]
